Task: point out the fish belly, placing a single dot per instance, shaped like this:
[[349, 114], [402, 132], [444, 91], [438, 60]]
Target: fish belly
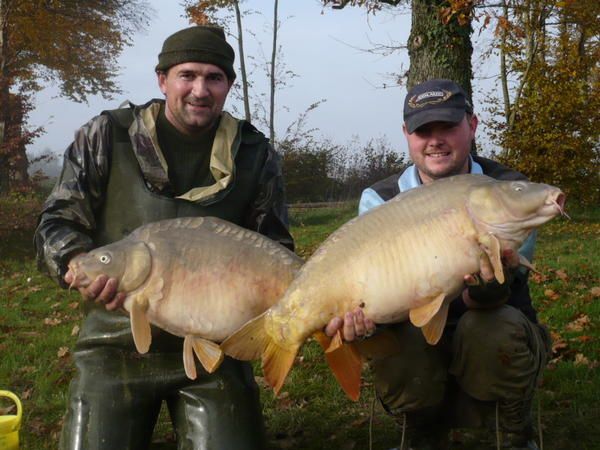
[[387, 262]]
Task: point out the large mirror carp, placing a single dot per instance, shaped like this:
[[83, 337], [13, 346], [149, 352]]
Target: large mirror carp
[[198, 278], [405, 259]]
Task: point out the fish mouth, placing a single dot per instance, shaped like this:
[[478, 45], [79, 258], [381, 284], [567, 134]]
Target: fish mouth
[[80, 279], [558, 200]]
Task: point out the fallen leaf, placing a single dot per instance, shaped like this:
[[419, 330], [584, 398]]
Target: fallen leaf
[[583, 338], [55, 305], [581, 360], [595, 291], [578, 324], [52, 321], [558, 343], [560, 273], [26, 394], [551, 294], [62, 352], [74, 305], [75, 330]]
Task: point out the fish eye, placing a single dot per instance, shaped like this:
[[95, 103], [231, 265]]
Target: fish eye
[[104, 259], [518, 187]]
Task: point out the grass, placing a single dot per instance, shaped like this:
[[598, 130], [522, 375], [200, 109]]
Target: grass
[[38, 325]]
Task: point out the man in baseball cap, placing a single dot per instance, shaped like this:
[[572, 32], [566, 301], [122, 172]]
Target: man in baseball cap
[[460, 382]]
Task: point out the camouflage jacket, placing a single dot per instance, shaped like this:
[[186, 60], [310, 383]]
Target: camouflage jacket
[[69, 215]]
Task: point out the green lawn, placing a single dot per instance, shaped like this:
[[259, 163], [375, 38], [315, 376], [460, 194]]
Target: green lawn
[[39, 323]]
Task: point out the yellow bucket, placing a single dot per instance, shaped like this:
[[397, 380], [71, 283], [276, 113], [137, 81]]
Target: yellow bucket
[[10, 424]]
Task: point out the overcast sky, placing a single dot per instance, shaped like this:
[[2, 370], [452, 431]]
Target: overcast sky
[[321, 46]]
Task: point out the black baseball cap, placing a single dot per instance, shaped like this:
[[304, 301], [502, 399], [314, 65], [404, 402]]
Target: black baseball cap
[[436, 100]]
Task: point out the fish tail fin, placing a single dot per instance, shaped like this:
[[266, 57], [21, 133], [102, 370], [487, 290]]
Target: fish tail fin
[[248, 342], [253, 342], [344, 361]]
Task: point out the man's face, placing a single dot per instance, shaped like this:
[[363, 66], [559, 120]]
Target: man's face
[[195, 93], [441, 149]]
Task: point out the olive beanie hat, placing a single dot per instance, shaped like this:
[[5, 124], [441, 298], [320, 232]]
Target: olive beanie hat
[[205, 44]]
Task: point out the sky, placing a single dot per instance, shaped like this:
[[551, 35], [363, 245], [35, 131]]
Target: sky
[[321, 46]]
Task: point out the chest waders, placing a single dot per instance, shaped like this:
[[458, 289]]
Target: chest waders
[[116, 395]]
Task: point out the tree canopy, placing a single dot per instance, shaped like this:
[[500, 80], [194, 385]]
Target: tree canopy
[[70, 43]]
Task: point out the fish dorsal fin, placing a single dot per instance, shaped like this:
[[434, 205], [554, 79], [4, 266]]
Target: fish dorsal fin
[[491, 246], [210, 354], [345, 362], [434, 329], [423, 314], [140, 326]]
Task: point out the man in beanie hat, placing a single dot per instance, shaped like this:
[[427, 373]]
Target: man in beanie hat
[[182, 156], [465, 380]]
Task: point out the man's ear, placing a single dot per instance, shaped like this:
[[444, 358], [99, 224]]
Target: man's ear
[[473, 122], [162, 81]]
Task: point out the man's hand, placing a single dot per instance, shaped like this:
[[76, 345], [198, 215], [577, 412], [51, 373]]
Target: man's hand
[[354, 325], [102, 290], [484, 291]]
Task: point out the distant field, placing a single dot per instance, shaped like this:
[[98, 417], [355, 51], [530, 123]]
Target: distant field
[[39, 324]]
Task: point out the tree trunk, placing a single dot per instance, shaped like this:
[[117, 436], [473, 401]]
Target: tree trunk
[[4, 98], [438, 50], [238, 17], [273, 56]]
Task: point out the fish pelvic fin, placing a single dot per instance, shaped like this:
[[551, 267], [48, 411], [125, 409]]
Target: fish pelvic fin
[[189, 364], [344, 361], [140, 326], [276, 364], [491, 246], [210, 355], [433, 330], [420, 316]]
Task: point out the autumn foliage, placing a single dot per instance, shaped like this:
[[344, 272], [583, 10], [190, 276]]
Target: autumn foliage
[[551, 130]]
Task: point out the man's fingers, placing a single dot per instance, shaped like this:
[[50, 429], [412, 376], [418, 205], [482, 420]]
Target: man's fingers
[[349, 333], [333, 325], [370, 327], [116, 302], [108, 291], [359, 323]]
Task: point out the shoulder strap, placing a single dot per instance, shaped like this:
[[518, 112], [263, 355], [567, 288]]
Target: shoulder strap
[[121, 119]]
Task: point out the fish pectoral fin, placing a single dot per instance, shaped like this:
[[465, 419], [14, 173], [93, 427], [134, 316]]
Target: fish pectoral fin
[[434, 329], [491, 246], [189, 363], [424, 313], [210, 354], [525, 263], [344, 361], [140, 326]]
